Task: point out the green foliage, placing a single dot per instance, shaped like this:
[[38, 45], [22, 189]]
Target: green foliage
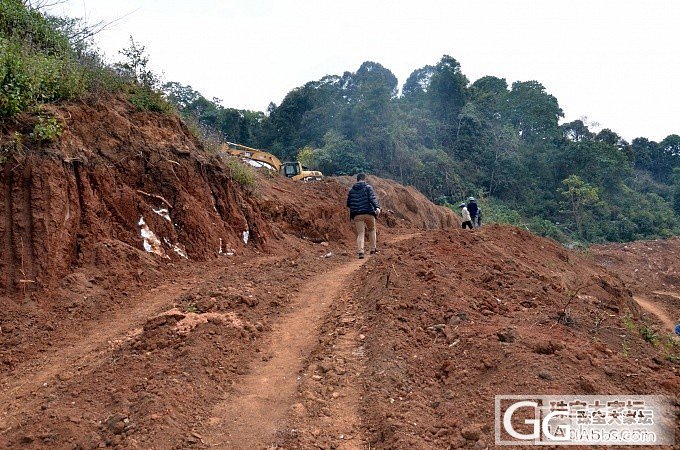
[[306, 156], [25, 25], [29, 77], [499, 212], [148, 100], [37, 64], [46, 129], [649, 335], [48, 59], [628, 323], [212, 119], [579, 197], [671, 347], [241, 173], [144, 91], [135, 69]]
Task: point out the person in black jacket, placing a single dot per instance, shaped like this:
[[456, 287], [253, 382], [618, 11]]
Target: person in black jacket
[[363, 210], [473, 209]]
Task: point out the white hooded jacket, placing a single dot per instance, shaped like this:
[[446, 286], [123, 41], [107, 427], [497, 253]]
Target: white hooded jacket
[[466, 214]]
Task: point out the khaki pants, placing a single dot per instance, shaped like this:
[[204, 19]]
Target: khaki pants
[[364, 222]]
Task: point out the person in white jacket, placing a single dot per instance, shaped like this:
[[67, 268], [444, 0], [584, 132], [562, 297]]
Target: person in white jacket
[[467, 220]]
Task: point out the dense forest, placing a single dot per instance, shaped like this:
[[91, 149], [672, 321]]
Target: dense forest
[[452, 138], [449, 137]]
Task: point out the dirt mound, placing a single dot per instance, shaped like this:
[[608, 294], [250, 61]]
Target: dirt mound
[[448, 321], [407, 205]]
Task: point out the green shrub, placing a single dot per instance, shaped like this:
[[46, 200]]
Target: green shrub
[[628, 323], [21, 24], [47, 129], [146, 99], [36, 64], [495, 211], [241, 173], [649, 335]]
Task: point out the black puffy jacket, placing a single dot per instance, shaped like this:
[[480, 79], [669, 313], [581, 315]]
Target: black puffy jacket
[[472, 208], [361, 200]]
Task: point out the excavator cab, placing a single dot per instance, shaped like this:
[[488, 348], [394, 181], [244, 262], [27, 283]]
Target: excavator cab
[[297, 171], [291, 169]]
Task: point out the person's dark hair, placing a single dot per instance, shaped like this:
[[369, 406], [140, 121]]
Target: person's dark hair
[[361, 176]]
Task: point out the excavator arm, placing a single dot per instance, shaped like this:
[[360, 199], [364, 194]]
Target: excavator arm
[[260, 158]]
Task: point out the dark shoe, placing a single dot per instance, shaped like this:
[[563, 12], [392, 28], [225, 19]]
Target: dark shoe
[[361, 255], [374, 251]]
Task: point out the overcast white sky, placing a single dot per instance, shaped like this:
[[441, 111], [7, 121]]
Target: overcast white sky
[[615, 61]]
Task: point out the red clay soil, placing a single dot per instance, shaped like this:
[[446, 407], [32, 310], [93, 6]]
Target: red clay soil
[[652, 271], [286, 340], [96, 331], [440, 324]]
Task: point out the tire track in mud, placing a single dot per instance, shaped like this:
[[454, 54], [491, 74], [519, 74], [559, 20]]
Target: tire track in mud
[[258, 411], [252, 417]]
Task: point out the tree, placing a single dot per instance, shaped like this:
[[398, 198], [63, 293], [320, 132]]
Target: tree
[[417, 84], [676, 190], [135, 66], [576, 131], [578, 196], [447, 90], [534, 112], [643, 149]]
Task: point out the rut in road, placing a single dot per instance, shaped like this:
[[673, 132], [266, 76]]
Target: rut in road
[[260, 405], [251, 418], [657, 310]]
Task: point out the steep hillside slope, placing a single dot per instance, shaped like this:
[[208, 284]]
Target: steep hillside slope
[[84, 199]]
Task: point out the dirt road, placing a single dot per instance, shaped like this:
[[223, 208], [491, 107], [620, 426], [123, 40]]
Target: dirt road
[[256, 411], [251, 416], [657, 311], [243, 390]]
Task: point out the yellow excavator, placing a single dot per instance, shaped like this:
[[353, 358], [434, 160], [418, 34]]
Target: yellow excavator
[[260, 158]]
